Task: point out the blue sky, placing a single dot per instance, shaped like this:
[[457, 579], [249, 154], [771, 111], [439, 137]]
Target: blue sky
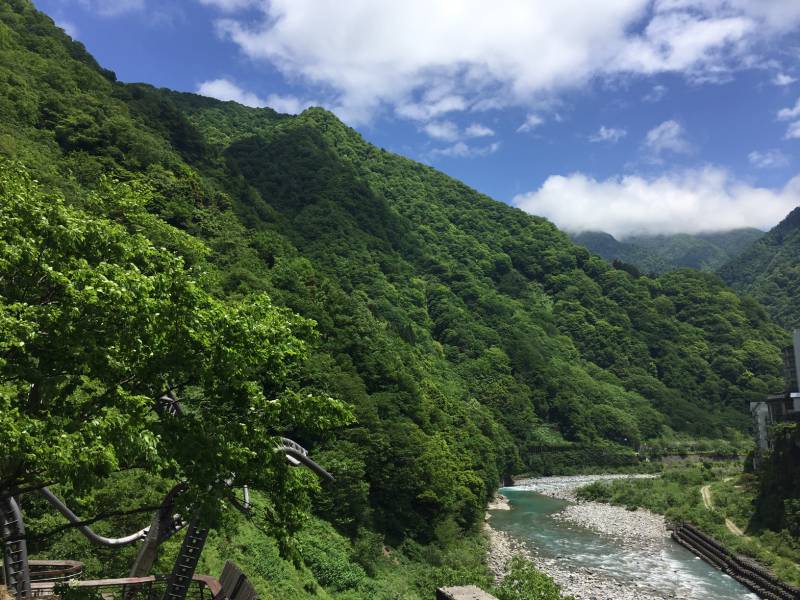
[[629, 116]]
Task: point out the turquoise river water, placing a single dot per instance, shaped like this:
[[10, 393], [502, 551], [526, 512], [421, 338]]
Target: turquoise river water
[[667, 567]]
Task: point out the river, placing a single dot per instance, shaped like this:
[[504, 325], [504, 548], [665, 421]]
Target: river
[[572, 554]]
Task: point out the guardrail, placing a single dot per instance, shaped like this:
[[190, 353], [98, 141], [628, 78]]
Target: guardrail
[[203, 587], [231, 585], [54, 570], [745, 571]]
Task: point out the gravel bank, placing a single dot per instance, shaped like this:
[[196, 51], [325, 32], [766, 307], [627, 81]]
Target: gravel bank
[[566, 487], [499, 502], [582, 583], [640, 528]]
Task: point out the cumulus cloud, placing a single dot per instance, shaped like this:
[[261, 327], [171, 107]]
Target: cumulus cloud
[[464, 150], [477, 130], [783, 79], [69, 28], [655, 94], [229, 5], [448, 131], [112, 8], [532, 121], [770, 159], [287, 104], [608, 134], [786, 114], [669, 136], [693, 201], [431, 107], [224, 89], [442, 130], [375, 55]]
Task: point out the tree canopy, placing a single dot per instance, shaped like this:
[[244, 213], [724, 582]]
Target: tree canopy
[[472, 340], [98, 323]]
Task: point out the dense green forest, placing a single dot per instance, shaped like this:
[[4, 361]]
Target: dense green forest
[[770, 271], [661, 253], [421, 339]]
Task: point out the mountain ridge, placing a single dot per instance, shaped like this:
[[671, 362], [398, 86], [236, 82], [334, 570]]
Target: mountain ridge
[[661, 253], [770, 271], [465, 333]]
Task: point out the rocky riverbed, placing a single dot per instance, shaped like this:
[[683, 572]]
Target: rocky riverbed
[[582, 583], [566, 487], [640, 526], [632, 528]]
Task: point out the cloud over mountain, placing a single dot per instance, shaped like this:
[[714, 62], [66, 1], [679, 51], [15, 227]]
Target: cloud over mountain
[[692, 201], [369, 55]]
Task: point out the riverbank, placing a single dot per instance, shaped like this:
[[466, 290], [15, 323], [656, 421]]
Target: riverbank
[[721, 500], [565, 487], [639, 530], [640, 527], [580, 582]]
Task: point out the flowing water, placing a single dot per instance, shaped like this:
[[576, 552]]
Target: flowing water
[[667, 567]]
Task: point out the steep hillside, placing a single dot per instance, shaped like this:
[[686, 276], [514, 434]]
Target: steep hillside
[[662, 253], [770, 271], [467, 335]]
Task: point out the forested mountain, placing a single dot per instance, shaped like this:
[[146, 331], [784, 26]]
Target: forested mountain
[[466, 335], [662, 253], [770, 271]]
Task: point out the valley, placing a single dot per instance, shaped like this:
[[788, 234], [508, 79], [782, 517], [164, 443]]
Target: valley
[[189, 286]]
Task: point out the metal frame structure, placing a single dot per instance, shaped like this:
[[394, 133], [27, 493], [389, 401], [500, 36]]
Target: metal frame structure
[[15, 549], [164, 525]]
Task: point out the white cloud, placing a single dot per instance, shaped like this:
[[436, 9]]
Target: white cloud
[[69, 28], [787, 114], [477, 130], [229, 5], [708, 199], [371, 55], [448, 131], [464, 150], [670, 136], [783, 79], [287, 104], [532, 121], [656, 94], [679, 41], [112, 8], [608, 134], [442, 130], [768, 160], [224, 89], [429, 108]]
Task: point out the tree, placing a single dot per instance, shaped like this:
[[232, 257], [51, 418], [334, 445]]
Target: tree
[[96, 324], [525, 582]]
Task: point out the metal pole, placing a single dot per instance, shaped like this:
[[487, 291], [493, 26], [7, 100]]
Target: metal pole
[[94, 537], [15, 549]]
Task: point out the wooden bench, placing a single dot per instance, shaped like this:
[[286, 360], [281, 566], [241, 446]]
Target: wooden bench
[[234, 584]]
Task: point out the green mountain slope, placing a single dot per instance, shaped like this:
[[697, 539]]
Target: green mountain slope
[[662, 253], [770, 271], [467, 335]]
